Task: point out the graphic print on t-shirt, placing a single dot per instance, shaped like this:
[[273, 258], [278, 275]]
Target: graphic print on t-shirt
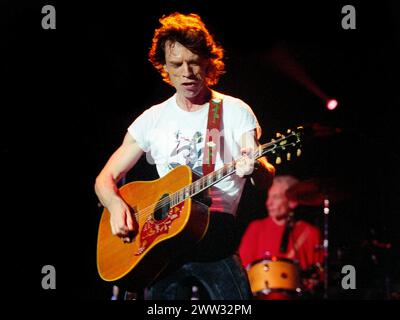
[[188, 151]]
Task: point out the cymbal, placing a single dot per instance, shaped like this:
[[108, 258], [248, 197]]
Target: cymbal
[[314, 192]]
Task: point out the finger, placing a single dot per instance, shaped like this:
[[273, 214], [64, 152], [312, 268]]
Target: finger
[[250, 163], [248, 159], [246, 151], [244, 167], [119, 229], [126, 240], [239, 168], [122, 231], [129, 221], [113, 229], [239, 172]]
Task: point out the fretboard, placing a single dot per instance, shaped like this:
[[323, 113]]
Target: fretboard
[[216, 176]]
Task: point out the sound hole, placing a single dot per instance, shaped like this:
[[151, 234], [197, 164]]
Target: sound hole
[[163, 206]]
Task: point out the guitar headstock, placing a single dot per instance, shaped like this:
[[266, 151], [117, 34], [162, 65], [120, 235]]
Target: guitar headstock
[[286, 145]]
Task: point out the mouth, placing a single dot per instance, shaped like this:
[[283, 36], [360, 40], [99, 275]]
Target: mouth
[[189, 85]]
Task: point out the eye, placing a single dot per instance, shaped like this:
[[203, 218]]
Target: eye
[[175, 65]]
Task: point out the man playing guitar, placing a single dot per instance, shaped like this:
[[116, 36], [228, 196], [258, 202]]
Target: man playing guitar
[[175, 132]]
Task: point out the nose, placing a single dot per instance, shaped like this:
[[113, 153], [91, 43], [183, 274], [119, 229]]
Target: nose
[[187, 70]]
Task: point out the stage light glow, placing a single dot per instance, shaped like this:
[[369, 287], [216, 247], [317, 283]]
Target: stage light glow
[[331, 104]]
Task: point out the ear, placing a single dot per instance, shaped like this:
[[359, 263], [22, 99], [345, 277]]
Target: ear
[[293, 204]]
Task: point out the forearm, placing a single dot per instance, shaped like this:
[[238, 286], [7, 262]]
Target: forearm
[[263, 174], [123, 159], [106, 188]]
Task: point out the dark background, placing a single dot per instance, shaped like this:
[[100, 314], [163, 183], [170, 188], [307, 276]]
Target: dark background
[[70, 94]]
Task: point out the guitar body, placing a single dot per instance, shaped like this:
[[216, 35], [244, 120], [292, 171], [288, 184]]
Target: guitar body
[[162, 231]]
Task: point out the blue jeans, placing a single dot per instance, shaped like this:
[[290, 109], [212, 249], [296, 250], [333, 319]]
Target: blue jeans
[[213, 267], [219, 280]]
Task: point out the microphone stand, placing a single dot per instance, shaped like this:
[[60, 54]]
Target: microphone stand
[[288, 229], [326, 246]]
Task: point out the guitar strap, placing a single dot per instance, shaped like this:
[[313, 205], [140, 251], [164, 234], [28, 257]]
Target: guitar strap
[[213, 141]]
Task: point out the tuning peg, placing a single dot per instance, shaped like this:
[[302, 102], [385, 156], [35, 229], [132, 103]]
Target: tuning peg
[[289, 131], [298, 153], [278, 160], [288, 156], [278, 134]]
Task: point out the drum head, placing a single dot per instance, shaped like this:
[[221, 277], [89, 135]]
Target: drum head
[[278, 276]]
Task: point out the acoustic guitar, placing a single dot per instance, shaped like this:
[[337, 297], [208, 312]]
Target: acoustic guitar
[[168, 218]]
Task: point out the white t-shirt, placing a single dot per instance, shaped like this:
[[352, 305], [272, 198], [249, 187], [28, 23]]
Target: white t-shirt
[[171, 136]]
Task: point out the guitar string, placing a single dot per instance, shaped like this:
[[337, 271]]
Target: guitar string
[[256, 154], [149, 209], [167, 200]]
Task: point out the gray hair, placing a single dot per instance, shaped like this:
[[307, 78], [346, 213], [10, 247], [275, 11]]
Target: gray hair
[[287, 180]]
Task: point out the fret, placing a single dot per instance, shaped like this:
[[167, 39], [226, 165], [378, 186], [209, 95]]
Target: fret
[[223, 171], [197, 186], [202, 182], [187, 192], [191, 189]]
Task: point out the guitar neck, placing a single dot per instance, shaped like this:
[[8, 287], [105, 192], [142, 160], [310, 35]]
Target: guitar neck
[[216, 176]]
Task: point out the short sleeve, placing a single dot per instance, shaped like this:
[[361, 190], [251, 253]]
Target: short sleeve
[[245, 120], [139, 130]]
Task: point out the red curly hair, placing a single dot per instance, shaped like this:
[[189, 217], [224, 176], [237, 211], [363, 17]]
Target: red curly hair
[[190, 31]]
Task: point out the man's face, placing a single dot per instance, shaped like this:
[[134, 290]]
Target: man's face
[[277, 203], [186, 70]]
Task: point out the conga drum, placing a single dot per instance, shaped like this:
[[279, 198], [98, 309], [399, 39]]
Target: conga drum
[[274, 279]]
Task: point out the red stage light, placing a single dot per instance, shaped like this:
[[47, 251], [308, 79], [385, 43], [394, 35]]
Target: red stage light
[[331, 104]]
